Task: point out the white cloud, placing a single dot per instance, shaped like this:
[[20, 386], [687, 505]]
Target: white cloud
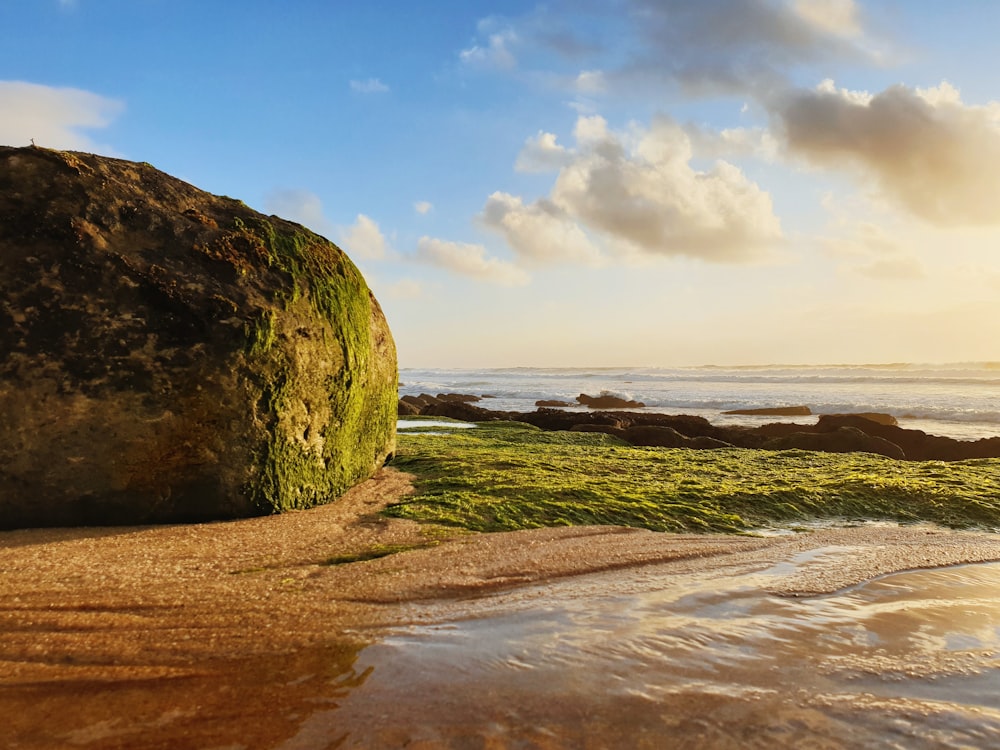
[[839, 17], [369, 86], [638, 188], [53, 117], [423, 207], [925, 149], [540, 232], [494, 49], [733, 142], [641, 47], [542, 154], [736, 45], [469, 260], [364, 239]]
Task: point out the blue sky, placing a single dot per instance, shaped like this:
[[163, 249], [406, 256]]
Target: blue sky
[[627, 182]]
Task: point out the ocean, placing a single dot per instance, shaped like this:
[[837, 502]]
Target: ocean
[[960, 400]]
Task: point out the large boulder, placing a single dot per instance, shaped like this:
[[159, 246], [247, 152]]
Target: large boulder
[[169, 355]]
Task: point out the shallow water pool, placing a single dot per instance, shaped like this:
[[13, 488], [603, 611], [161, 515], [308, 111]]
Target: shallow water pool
[[632, 660]]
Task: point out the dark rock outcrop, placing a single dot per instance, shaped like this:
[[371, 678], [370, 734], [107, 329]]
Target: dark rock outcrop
[[557, 419], [842, 440], [916, 444], [463, 397], [871, 416], [866, 434], [780, 429], [170, 355], [407, 409], [668, 437], [608, 401], [414, 401], [463, 411], [552, 402], [774, 411]]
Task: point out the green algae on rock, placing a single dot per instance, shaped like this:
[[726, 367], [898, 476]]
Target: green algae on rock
[[506, 476], [170, 355]]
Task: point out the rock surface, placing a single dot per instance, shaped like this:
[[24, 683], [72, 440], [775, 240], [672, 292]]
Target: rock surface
[[467, 398], [170, 355], [841, 440], [871, 416], [608, 401], [886, 438], [774, 411]]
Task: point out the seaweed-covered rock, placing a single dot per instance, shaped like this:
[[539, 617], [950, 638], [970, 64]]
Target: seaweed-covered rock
[[170, 355]]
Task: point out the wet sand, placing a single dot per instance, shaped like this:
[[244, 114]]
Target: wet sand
[[236, 634]]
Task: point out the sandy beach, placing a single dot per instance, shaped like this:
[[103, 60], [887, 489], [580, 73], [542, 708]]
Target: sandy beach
[[192, 631]]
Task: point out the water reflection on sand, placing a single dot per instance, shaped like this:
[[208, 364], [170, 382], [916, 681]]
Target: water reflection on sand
[[633, 659]]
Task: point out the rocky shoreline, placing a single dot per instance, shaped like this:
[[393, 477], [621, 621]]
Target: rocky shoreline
[[832, 433]]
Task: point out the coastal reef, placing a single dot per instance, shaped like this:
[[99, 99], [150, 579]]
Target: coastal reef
[[168, 355], [832, 433]]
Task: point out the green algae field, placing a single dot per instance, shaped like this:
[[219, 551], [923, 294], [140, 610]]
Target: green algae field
[[504, 476]]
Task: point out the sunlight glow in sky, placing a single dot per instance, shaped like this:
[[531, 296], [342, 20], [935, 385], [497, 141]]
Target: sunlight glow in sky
[[561, 183]]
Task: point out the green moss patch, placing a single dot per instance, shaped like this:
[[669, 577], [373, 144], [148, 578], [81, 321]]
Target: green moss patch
[[506, 476], [360, 394]]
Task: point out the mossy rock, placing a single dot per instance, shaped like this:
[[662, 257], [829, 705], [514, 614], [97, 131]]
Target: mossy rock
[[167, 355]]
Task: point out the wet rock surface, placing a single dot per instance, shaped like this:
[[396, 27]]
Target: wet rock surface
[[836, 433]]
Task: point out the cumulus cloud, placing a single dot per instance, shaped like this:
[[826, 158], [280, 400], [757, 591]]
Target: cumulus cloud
[[838, 17], [469, 260], [733, 142], [53, 117], [364, 239], [647, 193], [638, 188], [369, 86], [423, 207], [542, 154], [739, 45], [493, 48], [540, 232], [928, 151]]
